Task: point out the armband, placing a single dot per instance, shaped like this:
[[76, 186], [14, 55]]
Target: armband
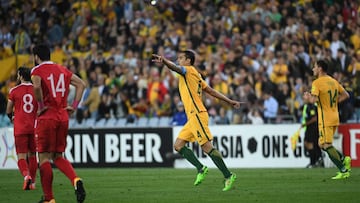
[[75, 104]]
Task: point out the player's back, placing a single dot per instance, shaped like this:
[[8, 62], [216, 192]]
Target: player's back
[[25, 108], [55, 81], [329, 89]]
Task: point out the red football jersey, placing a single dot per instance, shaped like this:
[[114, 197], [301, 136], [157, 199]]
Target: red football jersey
[[55, 82], [25, 108]]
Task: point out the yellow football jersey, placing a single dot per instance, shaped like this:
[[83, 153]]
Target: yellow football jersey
[[327, 89], [191, 85]]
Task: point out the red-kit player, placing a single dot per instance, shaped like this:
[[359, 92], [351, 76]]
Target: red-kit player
[[51, 87], [21, 109]]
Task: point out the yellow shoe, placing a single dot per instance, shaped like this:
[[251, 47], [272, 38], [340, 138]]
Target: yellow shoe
[[341, 175]]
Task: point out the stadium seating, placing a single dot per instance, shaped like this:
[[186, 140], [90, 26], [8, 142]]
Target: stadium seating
[[112, 122], [142, 122], [164, 121], [100, 123], [153, 122]]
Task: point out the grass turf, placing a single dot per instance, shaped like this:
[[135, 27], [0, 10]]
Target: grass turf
[[176, 185]]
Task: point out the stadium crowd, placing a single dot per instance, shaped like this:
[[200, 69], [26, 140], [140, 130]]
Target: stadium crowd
[[258, 51]]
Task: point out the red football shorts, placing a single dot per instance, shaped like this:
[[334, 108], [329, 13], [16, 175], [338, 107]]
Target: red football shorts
[[50, 135], [25, 143]]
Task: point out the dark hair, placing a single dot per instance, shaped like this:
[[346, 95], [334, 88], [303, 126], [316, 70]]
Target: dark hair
[[24, 72], [190, 55], [42, 51], [323, 64], [341, 50]]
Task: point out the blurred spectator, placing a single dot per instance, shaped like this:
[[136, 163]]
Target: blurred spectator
[[255, 117], [3, 103], [343, 60], [156, 91], [220, 85], [100, 62], [4, 120], [5, 52], [54, 33], [355, 38], [355, 70], [346, 108], [285, 100], [222, 118], [118, 55], [179, 117], [129, 93], [130, 59], [22, 41], [91, 103], [107, 107], [298, 88], [280, 71], [270, 108], [164, 108], [336, 44], [103, 111], [6, 38]]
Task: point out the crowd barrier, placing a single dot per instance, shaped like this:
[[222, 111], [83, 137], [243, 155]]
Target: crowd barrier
[[242, 146]]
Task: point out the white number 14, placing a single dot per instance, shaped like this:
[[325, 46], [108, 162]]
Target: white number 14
[[60, 85]]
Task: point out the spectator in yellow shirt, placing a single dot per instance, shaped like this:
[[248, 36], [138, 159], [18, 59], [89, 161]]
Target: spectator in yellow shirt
[[280, 71]]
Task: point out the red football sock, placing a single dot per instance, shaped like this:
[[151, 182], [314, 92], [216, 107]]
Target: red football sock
[[23, 167], [46, 175], [33, 165], [66, 168]]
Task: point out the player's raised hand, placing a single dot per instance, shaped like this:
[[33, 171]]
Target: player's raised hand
[[157, 58], [236, 104]]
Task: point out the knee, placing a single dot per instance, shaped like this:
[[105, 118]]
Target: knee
[[179, 144], [177, 147], [324, 146]]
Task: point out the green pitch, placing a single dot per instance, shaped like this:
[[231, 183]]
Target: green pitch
[[176, 185]]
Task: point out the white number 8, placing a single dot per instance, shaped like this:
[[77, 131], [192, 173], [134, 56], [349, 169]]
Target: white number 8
[[28, 107]]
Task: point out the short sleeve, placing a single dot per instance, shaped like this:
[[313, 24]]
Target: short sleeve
[[314, 89]]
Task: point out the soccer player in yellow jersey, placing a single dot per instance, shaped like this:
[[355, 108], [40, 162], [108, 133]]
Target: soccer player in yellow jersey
[[191, 86], [327, 92]]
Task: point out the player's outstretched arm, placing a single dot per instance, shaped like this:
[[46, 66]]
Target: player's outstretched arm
[[171, 65], [217, 94]]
